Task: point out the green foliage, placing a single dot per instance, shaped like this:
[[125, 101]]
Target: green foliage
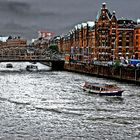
[[53, 47], [116, 64]]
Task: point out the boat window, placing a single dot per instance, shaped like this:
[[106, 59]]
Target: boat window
[[97, 88]]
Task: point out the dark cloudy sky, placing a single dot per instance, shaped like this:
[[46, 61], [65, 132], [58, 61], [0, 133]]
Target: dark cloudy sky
[[26, 17]]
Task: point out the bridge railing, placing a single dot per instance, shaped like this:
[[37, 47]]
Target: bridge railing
[[35, 54]]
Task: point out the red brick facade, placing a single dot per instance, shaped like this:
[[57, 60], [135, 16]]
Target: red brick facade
[[109, 39]]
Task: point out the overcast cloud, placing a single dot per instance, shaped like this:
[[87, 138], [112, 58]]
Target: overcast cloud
[[26, 17]]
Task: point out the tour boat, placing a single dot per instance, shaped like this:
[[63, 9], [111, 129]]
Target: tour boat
[[102, 89], [31, 68]]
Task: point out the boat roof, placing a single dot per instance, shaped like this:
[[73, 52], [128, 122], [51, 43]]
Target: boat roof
[[31, 66], [100, 84]]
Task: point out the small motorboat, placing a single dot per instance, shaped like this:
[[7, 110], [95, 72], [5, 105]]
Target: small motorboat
[[102, 89], [9, 65], [31, 68]]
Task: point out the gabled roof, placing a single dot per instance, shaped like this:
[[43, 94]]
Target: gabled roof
[[4, 39], [113, 16], [78, 26], [84, 24], [124, 22], [109, 15], [90, 23]]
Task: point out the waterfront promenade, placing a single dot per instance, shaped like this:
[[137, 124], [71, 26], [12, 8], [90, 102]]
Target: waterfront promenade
[[117, 73]]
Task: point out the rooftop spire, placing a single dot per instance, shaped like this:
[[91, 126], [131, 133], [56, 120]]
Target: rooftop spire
[[104, 5], [114, 12]]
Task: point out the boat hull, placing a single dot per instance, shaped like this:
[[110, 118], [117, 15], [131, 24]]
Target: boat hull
[[113, 93], [9, 66], [32, 68]]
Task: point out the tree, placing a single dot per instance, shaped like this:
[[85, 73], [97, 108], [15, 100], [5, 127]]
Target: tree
[[53, 47]]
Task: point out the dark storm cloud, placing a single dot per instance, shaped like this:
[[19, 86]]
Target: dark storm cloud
[[26, 17], [14, 6], [18, 7]]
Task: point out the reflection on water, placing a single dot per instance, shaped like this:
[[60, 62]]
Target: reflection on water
[[51, 105]]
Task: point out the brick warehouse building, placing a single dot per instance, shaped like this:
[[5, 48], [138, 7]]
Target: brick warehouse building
[[137, 41], [107, 39], [114, 37]]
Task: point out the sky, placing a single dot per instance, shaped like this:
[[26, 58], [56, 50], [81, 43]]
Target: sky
[[26, 17]]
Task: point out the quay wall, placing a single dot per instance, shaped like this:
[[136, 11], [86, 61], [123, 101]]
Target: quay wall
[[120, 73], [55, 65]]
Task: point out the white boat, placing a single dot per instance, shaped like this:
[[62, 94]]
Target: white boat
[[102, 89], [31, 68]]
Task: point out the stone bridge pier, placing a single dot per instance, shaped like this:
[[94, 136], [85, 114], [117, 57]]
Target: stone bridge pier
[[57, 65]]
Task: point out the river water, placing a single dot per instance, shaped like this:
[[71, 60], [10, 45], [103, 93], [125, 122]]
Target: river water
[[50, 105]]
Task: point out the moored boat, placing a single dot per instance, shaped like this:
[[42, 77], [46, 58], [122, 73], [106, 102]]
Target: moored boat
[[31, 68], [102, 89], [9, 65]]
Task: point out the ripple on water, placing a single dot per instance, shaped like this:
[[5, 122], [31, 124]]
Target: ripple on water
[[50, 105]]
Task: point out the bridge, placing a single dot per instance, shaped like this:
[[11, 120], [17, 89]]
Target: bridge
[[46, 56]]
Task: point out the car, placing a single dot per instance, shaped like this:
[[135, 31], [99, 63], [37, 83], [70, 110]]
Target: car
[[138, 65], [123, 65], [110, 63], [96, 62], [131, 66]]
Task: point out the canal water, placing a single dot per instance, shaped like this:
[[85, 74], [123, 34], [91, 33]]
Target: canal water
[[50, 105]]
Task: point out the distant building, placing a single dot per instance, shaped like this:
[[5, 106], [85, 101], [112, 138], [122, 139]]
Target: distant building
[[16, 42], [3, 41], [10, 46], [45, 34], [12, 42], [4, 38]]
